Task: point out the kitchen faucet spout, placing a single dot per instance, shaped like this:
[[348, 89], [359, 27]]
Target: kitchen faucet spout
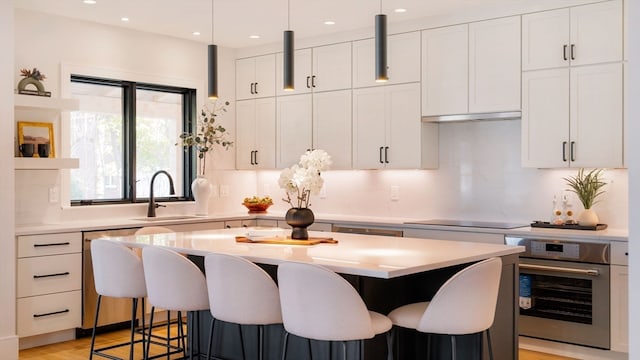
[[151, 211]]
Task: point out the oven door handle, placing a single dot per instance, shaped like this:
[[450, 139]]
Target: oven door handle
[[590, 272]]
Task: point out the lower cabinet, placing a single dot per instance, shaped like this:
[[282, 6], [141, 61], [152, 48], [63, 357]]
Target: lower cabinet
[[49, 283], [619, 297]]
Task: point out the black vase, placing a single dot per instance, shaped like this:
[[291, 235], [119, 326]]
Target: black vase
[[299, 219]]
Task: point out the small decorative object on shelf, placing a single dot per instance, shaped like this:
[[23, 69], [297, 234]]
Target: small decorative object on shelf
[[588, 187], [32, 77], [207, 136], [256, 204], [300, 181]]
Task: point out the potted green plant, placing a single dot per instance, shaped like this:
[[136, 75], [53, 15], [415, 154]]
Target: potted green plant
[[588, 187]]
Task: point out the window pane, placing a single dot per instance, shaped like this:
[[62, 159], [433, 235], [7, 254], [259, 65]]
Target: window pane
[[97, 140], [158, 124]]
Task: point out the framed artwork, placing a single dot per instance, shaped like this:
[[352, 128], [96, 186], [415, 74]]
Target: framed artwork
[[36, 133]]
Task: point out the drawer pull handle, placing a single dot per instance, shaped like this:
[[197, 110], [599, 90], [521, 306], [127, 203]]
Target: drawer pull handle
[[52, 244], [50, 275], [51, 313]]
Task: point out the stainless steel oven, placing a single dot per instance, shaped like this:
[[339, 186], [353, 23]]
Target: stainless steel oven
[[564, 291]]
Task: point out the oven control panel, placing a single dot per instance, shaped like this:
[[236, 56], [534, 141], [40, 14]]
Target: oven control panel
[[565, 250]]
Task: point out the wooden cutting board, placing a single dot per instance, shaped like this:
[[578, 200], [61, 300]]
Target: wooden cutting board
[[287, 241]]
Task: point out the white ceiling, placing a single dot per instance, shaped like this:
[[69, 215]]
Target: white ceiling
[[235, 20]]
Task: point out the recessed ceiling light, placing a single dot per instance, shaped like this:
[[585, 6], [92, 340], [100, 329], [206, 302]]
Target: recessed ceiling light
[[329, 22], [124, 18], [254, 36], [400, 10], [196, 33], [90, 2]]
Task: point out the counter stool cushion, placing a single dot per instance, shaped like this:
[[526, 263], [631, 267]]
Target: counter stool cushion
[[321, 305], [117, 270]]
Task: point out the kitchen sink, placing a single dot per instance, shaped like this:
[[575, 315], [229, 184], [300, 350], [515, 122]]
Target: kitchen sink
[[166, 218]]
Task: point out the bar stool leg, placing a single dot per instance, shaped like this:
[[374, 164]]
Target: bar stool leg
[[95, 322], [241, 342], [284, 347], [213, 322], [344, 350], [261, 341], [134, 310], [310, 351], [153, 310], [453, 347], [489, 344], [390, 339]]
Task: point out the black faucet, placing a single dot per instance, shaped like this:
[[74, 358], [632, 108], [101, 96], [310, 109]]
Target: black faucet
[[151, 212]]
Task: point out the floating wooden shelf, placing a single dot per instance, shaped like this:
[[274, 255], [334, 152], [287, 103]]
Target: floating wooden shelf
[[32, 102], [22, 163]]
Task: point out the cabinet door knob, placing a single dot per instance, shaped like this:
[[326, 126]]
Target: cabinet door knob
[[573, 51], [308, 85], [386, 154], [564, 151], [572, 151], [380, 155], [252, 88], [313, 81], [564, 52], [256, 87], [255, 158]]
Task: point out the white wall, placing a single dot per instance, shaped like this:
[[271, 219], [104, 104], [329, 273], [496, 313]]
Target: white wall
[[633, 131], [8, 338]]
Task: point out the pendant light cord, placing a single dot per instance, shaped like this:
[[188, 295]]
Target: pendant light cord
[[380, 6], [212, 1], [288, 14]]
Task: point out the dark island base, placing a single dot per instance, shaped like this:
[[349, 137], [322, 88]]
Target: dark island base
[[382, 295]]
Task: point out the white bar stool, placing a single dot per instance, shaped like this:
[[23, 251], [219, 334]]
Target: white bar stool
[[241, 292], [117, 273], [464, 304], [319, 304], [174, 283]]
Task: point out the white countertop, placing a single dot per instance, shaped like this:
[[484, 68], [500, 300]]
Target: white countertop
[[364, 255], [363, 221]]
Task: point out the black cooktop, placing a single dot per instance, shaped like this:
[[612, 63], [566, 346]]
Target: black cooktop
[[469, 223]]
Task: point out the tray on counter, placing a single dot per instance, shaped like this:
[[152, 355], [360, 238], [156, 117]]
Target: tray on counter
[[287, 241], [545, 224]]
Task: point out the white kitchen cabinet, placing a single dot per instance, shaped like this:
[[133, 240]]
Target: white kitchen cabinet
[[619, 297], [255, 77], [256, 133], [581, 35], [294, 128], [471, 68], [323, 68], [573, 117], [494, 65], [49, 283], [445, 70], [387, 130], [318, 121], [403, 60]]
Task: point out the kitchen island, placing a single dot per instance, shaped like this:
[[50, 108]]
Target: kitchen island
[[387, 272]]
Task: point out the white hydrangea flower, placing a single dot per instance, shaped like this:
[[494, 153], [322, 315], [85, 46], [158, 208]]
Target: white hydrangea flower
[[303, 179]]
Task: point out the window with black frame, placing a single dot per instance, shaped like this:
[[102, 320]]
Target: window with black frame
[[123, 133]]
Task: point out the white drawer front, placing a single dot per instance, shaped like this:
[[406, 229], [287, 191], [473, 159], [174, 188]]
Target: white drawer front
[[49, 274], [49, 244], [619, 253], [49, 313]]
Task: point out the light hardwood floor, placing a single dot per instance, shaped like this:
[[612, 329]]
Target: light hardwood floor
[[79, 350]]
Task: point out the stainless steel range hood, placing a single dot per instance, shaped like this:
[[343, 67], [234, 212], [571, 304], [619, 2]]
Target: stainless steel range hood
[[506, 115]]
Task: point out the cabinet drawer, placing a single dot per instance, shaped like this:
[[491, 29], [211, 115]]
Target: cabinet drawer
[[49, 244], [49, 274], [49, 313], [619, 253]]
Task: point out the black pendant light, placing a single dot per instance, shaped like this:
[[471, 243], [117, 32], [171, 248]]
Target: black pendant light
[[287, 59], [212, 64], [381, 46]]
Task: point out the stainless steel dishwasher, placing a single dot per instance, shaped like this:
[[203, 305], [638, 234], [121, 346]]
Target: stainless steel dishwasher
[[114, 312], [366, 231]]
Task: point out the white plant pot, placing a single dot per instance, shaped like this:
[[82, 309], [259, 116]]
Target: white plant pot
[[588, 218], [201, 189]]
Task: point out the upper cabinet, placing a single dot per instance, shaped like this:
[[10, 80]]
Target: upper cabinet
[[403, 59], [471, 68], [387, 131], [255, 134], [581, 35], [255, 77], [323, 68]]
